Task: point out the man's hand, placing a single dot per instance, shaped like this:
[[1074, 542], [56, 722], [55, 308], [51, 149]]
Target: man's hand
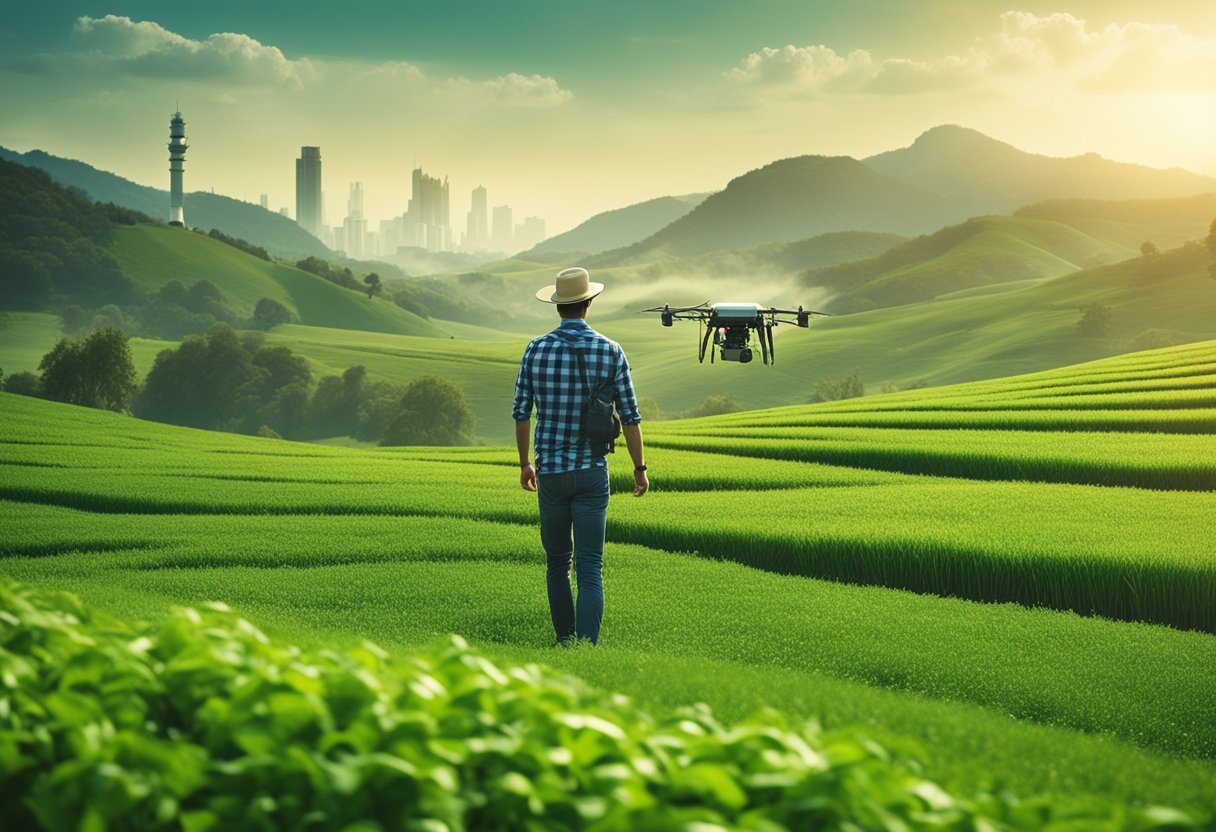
[[527, 476], [640, 483]]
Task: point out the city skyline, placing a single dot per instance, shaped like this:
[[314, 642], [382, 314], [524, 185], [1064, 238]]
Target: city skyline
[[567, 113]]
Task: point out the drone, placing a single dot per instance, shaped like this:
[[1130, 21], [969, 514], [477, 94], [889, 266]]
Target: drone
[[731, 325]]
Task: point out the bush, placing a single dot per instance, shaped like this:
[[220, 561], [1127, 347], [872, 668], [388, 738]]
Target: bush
[[199, 721], [714, 405]]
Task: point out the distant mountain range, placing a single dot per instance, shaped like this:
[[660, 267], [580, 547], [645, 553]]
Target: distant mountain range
[[621, 227], [981, 175], [273, 232], [947, 175]]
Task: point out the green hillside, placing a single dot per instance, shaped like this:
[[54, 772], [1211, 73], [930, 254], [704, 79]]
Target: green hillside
[[793, 199], [980, 252], [153, 256], [1165, 222], [714, 582], [274, 232]]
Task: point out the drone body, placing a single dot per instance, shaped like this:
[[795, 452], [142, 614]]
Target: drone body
[[731, 326]]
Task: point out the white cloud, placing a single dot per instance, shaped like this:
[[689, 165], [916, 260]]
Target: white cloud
[[511, 90], [144, 48], [1059, 48]]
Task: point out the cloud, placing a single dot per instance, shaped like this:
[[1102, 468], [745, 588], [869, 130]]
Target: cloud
[[515, 90], [146, 49], [1060, 48]]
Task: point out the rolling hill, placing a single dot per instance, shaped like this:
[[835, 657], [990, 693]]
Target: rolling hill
[[273, 232], [619, 228], [982, 175], [793, 199], [155, 255]]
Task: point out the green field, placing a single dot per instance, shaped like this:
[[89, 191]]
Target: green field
[[799, 558]]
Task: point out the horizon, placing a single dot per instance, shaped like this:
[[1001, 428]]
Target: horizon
[[563, 125]]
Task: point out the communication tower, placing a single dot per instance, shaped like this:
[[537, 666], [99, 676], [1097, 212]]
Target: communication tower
[[177, 162]]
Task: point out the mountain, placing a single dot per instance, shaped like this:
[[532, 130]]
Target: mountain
[[622, 227], [984, 176], [796, 198], [273, 232]]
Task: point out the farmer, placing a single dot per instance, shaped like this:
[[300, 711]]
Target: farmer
[[570, 475]]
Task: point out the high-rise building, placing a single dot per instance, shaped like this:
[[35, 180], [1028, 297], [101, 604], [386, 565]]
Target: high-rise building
[[427, 221], [355, 227], [477, 230], [308, 191], [177, 164], [502, 235], [529, 233], [264, 201]]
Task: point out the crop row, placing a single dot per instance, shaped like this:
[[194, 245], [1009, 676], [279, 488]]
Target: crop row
[[1070, 547], [1173, 420], [1156, 461], [406, 579]]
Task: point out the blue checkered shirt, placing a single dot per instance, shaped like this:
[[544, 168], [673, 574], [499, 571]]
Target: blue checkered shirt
[[549, 378]]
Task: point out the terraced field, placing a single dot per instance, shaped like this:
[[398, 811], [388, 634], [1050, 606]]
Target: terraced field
[[840, 561]]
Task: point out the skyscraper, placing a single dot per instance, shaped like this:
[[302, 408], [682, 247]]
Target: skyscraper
[[530, 233], [177, 164], [427, 218], [355, 227], [308, 191], [477, 230], [503, 233]]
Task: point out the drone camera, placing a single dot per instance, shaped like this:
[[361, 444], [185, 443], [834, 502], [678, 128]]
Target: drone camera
[[741, 354], [668, 318]]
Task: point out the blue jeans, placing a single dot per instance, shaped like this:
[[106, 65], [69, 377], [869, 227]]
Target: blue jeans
[[574, 503]]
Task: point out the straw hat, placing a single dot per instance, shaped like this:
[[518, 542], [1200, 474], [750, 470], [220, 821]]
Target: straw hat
[[573, 285]]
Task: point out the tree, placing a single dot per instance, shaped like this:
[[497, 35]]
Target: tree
[[433, 412], [372, 280], [74, 319], [836, 389], [269, 313], [94, 372], [23, 384], [1149, 249], [714, 405], [1096, 320]]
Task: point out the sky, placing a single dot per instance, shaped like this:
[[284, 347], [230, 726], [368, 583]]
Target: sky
[[565, 108]]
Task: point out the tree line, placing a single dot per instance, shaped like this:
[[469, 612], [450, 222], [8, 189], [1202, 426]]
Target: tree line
[[233, 381]]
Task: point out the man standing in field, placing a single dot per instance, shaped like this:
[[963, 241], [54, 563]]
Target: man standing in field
[[570, 476]]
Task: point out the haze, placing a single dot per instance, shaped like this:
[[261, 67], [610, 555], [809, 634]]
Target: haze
[[566, 110]]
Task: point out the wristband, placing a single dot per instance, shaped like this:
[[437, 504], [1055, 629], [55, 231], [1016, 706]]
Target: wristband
[[640, 469]]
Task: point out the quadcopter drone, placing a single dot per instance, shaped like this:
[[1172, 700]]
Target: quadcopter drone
[[731, 326]]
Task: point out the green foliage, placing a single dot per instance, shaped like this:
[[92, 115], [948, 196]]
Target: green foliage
[[95, 371], [53, 243], [323, 268], [200, 720], [237, 243], [227, 381], [176, 311], [269, 313], [24, 383], [1096, 320], [715, 404], [1149, 249], [433, 412], [836, 389], [372, 282]]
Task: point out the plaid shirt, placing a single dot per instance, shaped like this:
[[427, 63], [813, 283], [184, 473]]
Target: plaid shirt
[[549, 379]]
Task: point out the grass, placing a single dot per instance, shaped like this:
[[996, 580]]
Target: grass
[[153, 255], [715, 582]]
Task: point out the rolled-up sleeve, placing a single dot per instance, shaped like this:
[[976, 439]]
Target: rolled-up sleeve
[[521, 410], [626, 399]]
